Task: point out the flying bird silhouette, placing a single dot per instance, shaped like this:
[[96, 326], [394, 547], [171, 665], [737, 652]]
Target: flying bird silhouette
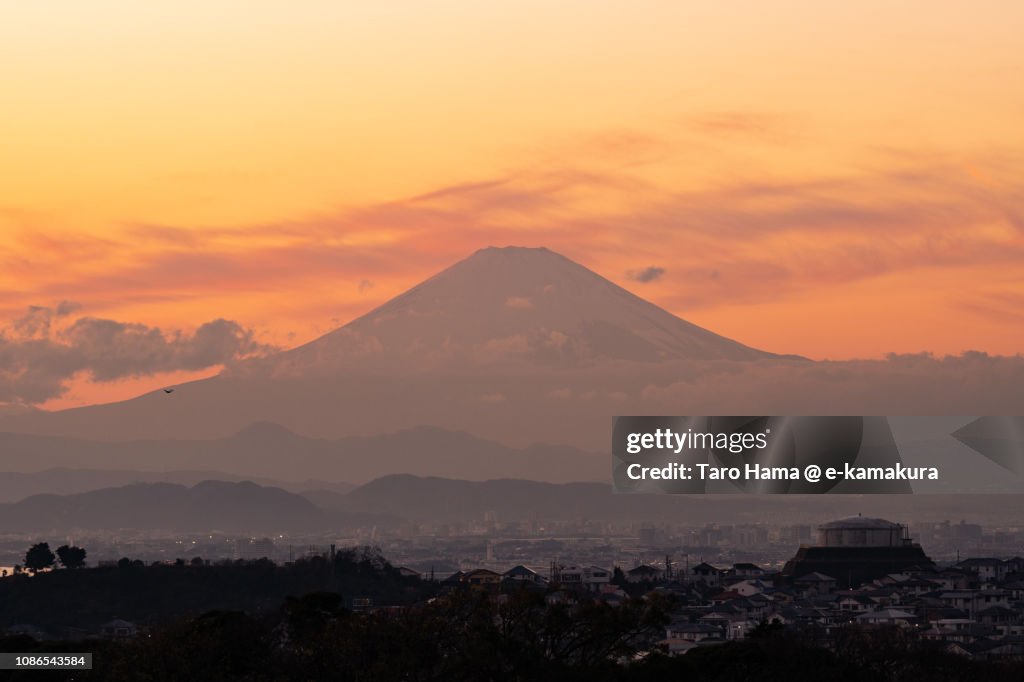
[[168, 390]]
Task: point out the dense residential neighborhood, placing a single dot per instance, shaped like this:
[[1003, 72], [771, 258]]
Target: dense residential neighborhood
[[973, 608], [885, 605]]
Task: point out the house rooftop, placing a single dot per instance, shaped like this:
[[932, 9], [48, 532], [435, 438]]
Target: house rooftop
[[815, 577]]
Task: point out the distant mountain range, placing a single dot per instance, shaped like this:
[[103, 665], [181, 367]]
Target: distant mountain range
[[245, 507], [206, 506], [16, 486], [272, 452], [448, 500]]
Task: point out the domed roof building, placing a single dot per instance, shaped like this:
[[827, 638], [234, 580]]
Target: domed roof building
[[862, 531], [858, 549]]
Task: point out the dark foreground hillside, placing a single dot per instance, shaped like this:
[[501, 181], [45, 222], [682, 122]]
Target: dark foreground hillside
[[65, 601], [350, 615], [469, 635]]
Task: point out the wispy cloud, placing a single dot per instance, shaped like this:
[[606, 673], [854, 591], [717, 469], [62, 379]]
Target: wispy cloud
[[800, 234], [762, 125], [744, 239]]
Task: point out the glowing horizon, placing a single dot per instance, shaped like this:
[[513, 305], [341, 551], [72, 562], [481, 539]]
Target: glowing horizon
[[801, 177]]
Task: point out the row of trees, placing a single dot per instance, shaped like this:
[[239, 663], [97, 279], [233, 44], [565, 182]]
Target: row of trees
[[469, 635], [39, 557], [149, 594]]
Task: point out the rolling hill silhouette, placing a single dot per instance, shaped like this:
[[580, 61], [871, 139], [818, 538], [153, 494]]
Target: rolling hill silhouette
[[206, 506], [268, 451], [17, 485], [245, 507], [433, 499]]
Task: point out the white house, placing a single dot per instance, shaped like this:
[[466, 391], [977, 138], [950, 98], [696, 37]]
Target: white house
[[748, 587], [590, 578]]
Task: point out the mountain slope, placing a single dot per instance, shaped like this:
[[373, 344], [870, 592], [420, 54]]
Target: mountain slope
[[270, 451], [513, 305], [17, 485], [437, 500], [516, 345], [206, 506]]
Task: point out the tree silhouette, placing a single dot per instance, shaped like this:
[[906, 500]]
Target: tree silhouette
[[71, 557], [39, 557], [619, 578]]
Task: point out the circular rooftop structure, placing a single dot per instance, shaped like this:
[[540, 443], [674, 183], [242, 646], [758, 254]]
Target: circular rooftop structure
[[859, 522], [861, 531]]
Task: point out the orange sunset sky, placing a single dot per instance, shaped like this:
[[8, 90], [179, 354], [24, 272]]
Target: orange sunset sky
[[833, 179]]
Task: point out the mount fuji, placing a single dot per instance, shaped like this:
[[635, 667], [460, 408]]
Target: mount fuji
[[513, 305], [514, 344]]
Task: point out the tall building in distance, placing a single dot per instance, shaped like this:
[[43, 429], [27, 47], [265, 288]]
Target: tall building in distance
[[858, 549]]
